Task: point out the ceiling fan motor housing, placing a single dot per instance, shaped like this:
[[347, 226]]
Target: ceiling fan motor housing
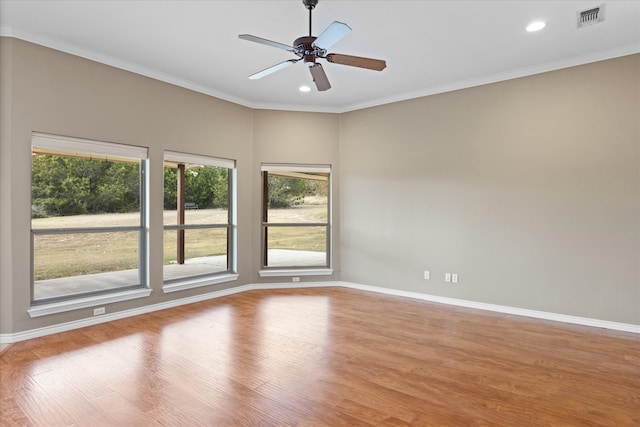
[[303, 47]]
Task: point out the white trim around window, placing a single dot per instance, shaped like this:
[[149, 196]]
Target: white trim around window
[[195, 159], [79, 145], [294, 167]]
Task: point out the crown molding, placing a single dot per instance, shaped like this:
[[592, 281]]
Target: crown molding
[[6, 31]]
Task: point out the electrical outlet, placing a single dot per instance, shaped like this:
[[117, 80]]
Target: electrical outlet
[[447, 277], [426, 275], [295, 279], [454, 278], [98, 311]]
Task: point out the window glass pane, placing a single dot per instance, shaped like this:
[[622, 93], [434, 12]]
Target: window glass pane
[[73, 191], [296, 246], [196, 193], [206, 199], [297, 200], [205, 252], [75, 263]]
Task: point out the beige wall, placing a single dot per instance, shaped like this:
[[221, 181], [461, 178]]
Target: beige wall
[[529, 189], [48, 91], [296, 137], [6, 236]]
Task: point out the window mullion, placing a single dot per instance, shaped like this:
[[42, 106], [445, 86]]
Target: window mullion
[[194, 226], [79, 230]]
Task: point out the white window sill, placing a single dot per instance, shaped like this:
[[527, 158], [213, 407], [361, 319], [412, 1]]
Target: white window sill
[[294, 272], [92, 301], [196, 283]]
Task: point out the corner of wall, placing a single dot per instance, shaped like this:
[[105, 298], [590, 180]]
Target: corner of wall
[[6, 75]]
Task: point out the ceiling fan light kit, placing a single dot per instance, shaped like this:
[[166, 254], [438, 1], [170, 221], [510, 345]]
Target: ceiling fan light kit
[[309, 48]]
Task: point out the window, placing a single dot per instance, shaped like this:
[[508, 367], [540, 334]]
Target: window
[[88, 228], [199, 221], [296, 219]]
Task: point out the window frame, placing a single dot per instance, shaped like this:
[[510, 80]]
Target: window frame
[[205, 279], [79, 147], [295, 170]]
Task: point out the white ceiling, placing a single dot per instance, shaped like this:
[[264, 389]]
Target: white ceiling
[[429, 46]]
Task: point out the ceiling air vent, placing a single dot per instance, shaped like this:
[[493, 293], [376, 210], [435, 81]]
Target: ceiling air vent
[[590, 16]]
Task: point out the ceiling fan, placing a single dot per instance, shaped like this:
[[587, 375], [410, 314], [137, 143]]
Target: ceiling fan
[[309, 48]]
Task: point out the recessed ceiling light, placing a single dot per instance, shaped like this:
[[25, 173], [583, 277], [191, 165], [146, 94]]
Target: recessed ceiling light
[[536, 26], [304, 88]]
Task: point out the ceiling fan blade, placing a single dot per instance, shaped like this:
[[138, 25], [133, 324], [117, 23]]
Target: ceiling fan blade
[[332, 34], [320, 77], [357, 61], [266, 42], [273, 69]]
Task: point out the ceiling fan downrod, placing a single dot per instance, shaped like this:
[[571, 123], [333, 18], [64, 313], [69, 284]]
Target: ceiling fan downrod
[[310, 4]]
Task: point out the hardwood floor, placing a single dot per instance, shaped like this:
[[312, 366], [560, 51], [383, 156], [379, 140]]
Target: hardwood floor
[[323, 357]]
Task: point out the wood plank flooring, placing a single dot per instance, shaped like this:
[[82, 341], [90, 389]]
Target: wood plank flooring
[[323, 357]]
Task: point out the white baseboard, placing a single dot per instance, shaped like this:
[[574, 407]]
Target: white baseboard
[[76, 324], [35, 333], [585, 321]]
